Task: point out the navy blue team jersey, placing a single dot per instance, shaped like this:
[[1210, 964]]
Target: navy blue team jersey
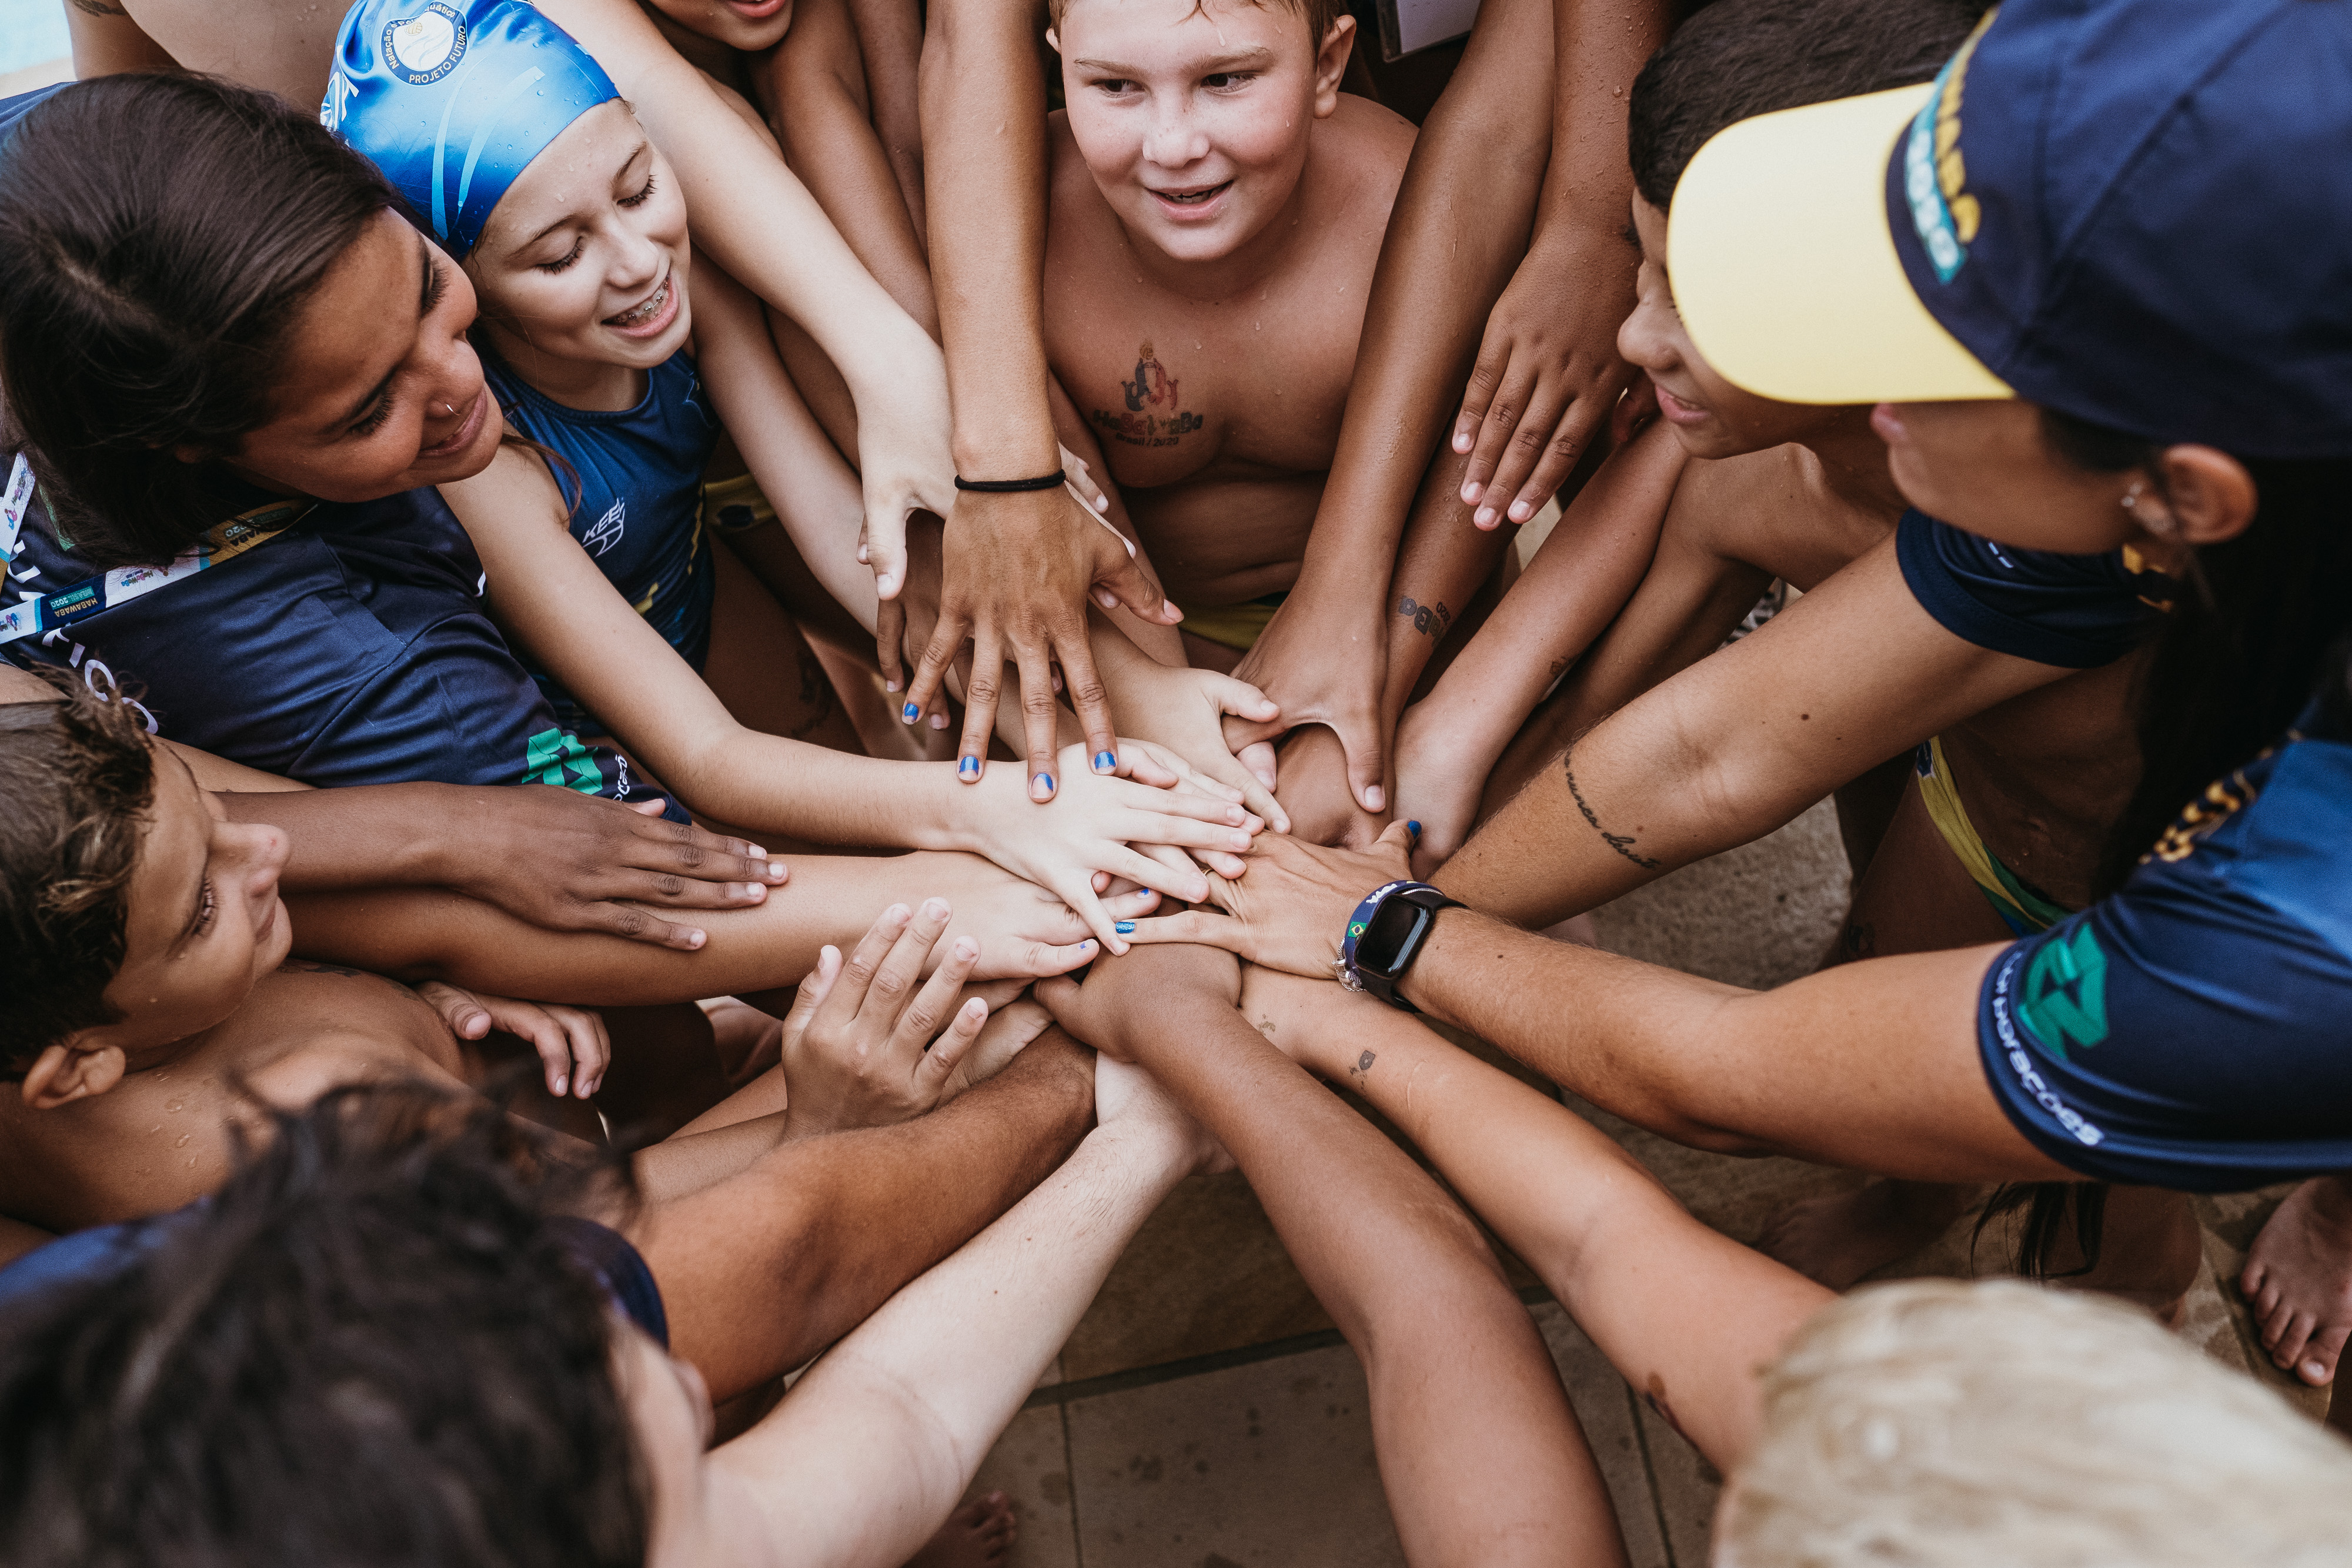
[[351, 649], [2077, 611], [2194, 1029], [637, 510]]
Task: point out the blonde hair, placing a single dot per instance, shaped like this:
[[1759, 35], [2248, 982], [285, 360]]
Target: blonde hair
[[1935, 1424]]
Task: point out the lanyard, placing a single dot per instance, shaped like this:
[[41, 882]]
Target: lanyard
[[220, 542]]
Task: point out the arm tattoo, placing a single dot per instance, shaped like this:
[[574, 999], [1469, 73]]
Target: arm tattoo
[[1363, 1068], [1621, 843], [1429, 619]]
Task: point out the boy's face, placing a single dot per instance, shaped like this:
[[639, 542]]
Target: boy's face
[[1194, 119], [203, 924], [1711, 417], [749, 25]]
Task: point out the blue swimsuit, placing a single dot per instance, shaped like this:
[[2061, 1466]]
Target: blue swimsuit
[[2193, 1030], [638, 502]]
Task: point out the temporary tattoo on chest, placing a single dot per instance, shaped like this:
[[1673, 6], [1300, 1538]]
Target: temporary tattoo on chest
[[1151, 417]]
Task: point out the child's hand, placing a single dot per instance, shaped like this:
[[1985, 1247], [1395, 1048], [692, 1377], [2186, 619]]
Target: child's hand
[[1024, 930], [904, 457], [564, 861], [864, 1044], [570, 1041], [1131, 1007], [1184, 710], [1438, 784], [1547, 371], [1315, 792], [1110, 823]]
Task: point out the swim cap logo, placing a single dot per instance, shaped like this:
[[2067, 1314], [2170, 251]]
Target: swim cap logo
[[422, 48], [1935, 178], [2064, 1002]]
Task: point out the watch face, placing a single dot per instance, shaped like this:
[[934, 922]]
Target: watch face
[[1392, 923]]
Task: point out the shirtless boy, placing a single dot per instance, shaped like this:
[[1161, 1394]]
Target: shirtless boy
[[1217, 208], [157, 1006]]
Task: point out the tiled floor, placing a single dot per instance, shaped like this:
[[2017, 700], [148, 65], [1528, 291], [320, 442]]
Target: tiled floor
[[1205, 1415]]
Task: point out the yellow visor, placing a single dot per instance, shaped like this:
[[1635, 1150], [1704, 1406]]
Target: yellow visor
[[1784, 273]]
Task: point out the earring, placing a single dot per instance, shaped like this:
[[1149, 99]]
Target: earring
[[2131, 496], [452, 412]]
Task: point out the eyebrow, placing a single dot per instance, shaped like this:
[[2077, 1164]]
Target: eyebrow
[[626, 164], [425, 296], [1253, 56]]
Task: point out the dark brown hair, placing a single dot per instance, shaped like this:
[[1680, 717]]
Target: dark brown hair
[[158, 237], [80, 778]]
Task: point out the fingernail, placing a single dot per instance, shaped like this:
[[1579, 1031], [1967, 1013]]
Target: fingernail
[[1521, 511], [1125, 927], [1105, 761], [1470, 495], [1041, 785], [2314, 1371], [775, 870], [755, 852], [896, 912], [561, 1084], [889, 685], [1238, 841], [1462, 444], [935, 909], [938, 721], [967, 766], [910, 713], [1087, 942], [1107, 601], [1413, 828], [1486, 517], [1376, 799]]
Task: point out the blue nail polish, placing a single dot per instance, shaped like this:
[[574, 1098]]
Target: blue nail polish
[[968, 767], [1413, 828], [1105, 761], [1125, 927], [1046, 780], [911, 713]]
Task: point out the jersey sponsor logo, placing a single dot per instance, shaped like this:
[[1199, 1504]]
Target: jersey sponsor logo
[[607, 532], [422, 48], [2064, 998], [2020, 1062], [556, 757], [2223, 800]]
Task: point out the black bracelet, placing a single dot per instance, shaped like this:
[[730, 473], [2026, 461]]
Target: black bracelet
[[1053, 481]]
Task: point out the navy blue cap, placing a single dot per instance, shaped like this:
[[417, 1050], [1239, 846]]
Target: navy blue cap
[[2136, 211]]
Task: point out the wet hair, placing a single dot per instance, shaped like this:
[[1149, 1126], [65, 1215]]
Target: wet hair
[[1320, 16], [1740, 58], [158, 235], [367, 1349], [80, 778]]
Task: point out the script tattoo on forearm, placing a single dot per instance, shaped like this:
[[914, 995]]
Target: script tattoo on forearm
[[1621, 843], [1429, 619]]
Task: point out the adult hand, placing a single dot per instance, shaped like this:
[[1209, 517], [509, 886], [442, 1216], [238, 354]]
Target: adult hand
[[564, 861], [1291, 908], [904, 457], [1439, 782], [1315, 793], [1323, 660], [1128, 1008], [1018, 571], [1181, 711], [869, 1042], [1024, 930], [572, 1047], [1547, 372], [1129, 827]]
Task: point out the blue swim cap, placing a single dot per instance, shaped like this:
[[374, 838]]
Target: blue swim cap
[[453, 99]]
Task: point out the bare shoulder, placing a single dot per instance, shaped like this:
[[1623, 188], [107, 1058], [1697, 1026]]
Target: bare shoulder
[[1773, 510], [1373, 135]]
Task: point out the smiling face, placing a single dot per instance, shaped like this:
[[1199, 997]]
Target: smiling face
[[749, 25], [1193, 120], [1710, 416], [586, 257], [378, 390]]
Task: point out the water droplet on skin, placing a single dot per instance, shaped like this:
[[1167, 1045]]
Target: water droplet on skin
[[182, 1140], [173, 1104]]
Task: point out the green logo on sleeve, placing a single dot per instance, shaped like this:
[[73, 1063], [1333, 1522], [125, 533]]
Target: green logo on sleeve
[[2064, 1002], [555, 757]]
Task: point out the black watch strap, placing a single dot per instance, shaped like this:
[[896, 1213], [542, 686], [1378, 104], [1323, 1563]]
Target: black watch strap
[[1379, 974]]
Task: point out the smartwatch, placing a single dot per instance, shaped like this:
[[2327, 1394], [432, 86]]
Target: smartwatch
[[1386, 935]]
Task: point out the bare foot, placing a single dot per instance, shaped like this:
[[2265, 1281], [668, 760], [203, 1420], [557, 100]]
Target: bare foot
[[2298, 1280], [976, 1535], [1838, 1238]]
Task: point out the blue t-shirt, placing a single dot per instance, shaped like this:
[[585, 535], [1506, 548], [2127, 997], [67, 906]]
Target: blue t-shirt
[[2194, 1030], [351, 649], [12, 110], [639, 508], [2077, 611]]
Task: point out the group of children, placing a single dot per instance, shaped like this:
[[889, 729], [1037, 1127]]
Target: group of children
[[528, 526]]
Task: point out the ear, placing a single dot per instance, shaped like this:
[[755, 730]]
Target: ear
[[2208, 493], [1053, 40], [1331, 64], [74, 1069]]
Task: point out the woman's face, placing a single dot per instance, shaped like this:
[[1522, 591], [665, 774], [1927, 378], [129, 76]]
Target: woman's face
[[204, 922], [378, 392], [586, 256]]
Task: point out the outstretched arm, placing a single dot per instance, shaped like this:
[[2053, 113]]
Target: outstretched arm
[[1688, 1314], [1478, 1449], [870, 1450], [763, 1270]]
